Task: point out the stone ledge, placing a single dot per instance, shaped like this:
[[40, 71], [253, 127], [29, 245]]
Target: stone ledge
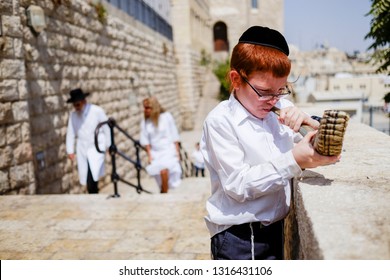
[[342, 211]]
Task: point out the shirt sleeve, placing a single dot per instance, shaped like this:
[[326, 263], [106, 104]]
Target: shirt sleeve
[[240, 180]]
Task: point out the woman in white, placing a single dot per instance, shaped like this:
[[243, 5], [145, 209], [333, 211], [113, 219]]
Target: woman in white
[[160, 137]]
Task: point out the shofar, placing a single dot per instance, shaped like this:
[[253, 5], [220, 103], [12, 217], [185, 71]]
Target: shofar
[[330, 136]]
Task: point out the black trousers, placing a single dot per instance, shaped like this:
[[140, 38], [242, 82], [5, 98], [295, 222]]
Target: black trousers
[[197, 169], [235, 243], [92, 186]]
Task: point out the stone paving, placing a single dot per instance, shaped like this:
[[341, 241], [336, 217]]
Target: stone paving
[[133, 226], [99, 227]]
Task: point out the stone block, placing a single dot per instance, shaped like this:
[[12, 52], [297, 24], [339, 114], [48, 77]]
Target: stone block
[[32, 189], [52, 104], [22, 89], [19, 176], [31, 52], [13, 134], [6, 157], [31, 171], [25, 132], [18, 48], [20, 111], [4, 182], [3, 139], [36, 87], [22, 153], [6, 115], [41, 124], [7, 47], [36, 106], [12, 69], [8, 90], [59, 120], [12, 26], [6, 7]]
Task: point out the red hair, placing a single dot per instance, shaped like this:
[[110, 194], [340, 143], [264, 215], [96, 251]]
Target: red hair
[[249, 58]]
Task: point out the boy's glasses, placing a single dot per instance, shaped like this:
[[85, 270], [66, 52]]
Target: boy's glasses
[[267, 97]]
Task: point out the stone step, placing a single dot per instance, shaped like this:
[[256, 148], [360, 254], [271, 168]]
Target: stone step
[[97, 226]]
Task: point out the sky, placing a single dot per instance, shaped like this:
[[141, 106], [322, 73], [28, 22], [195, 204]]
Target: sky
[[342, 24]]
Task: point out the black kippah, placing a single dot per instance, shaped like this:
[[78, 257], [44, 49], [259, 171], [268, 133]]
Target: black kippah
[[259, 35]]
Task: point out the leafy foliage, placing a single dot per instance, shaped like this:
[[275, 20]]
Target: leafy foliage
[[221, 70], [101, 12], [380, 32]]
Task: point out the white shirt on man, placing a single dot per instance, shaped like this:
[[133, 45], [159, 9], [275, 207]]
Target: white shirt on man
[[82, 126]]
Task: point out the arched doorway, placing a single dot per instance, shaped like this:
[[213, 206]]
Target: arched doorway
[[221, 42]]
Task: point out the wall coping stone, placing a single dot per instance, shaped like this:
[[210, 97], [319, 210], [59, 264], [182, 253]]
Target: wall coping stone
[[342, 210]]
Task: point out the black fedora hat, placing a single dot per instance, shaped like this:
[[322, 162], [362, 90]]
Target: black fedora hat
[[77, 95]]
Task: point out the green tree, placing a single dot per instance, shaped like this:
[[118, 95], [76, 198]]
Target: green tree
[[221, 70], [380, 33]]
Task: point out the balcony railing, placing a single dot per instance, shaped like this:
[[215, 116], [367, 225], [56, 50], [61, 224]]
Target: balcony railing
[[142, 12]]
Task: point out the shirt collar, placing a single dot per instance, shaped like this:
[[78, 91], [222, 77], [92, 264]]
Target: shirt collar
[[85, 110], [241, 113]]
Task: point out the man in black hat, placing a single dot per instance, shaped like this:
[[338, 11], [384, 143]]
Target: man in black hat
[[252, 154], [81, 126]]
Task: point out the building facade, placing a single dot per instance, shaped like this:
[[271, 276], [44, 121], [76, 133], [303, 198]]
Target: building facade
[[231, 18]]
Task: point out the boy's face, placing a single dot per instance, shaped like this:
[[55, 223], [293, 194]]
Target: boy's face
[[265, 85]]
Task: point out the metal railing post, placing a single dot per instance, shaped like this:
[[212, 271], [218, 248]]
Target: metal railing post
[[113, 150]]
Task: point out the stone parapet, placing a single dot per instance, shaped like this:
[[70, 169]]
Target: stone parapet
[[342, 211]]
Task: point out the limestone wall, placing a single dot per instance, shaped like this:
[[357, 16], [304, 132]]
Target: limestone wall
[[192, 34], [119, 62], [16, 166], [342, 211], [239, 15]]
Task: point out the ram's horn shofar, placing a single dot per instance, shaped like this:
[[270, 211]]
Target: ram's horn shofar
[[330, 136]]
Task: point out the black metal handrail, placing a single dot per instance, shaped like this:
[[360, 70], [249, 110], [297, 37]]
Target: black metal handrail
[[114, 151]]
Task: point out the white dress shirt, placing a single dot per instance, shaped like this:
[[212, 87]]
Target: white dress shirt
[[250, 164]]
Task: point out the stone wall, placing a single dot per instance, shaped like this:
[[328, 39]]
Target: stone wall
[[239, 15], [16, 162], [118, 61], [341, 211], [192, 33]]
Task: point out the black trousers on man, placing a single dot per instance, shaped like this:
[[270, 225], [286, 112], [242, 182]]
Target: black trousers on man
[[92, 186]]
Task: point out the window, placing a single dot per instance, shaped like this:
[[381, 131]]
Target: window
[[220, 37], [254, 4]]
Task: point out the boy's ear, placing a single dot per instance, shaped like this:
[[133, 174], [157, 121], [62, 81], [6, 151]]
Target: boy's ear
[[235, 78]]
